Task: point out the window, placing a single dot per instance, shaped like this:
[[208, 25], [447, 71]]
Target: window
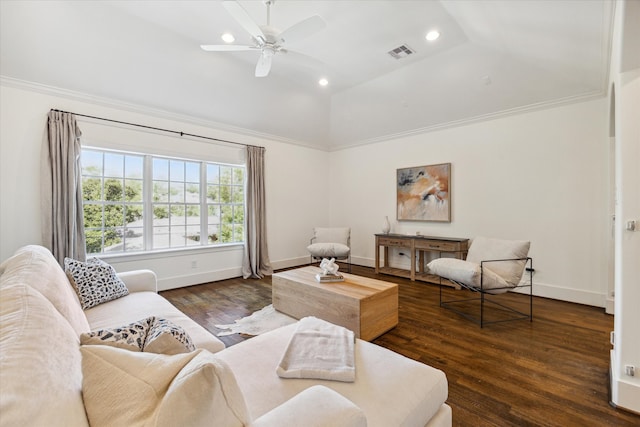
[[137, 202]]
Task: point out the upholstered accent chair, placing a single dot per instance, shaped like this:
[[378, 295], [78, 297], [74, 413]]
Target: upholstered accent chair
[[492, 267], [331, 242]]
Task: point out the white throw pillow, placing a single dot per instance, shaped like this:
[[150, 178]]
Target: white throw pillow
[[328, 250], [123, 388], [95, 281], [483, 249]]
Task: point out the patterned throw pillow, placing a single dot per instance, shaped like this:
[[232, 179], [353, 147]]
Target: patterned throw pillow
[[167, 338], [130, 337], [150, 335], [95, 281]]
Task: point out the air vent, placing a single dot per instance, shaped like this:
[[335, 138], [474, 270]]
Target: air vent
[[401, 52]]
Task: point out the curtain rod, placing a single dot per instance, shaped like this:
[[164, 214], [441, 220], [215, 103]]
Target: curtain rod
[[158, 129]]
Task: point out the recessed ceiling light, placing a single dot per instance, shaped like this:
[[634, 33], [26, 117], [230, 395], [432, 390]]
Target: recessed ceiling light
[[228, 38], [323, 82], [432, 35]]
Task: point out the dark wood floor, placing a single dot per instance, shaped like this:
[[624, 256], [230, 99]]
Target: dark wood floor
[[549, 372]]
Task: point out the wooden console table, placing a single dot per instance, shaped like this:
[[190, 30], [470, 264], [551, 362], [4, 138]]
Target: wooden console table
[[457, 247]]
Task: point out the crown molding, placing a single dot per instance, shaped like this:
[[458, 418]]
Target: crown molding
[[588, 96], [142, 109], [164, 114]]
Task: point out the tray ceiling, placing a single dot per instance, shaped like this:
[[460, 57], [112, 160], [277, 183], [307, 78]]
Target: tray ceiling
[[492, 57]]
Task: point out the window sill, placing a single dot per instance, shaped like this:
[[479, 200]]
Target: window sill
[[164, 253]]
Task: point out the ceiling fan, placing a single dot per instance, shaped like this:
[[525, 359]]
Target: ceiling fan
[[267, 39]]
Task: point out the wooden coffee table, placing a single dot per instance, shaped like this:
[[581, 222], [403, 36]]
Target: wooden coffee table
[[368, 307]]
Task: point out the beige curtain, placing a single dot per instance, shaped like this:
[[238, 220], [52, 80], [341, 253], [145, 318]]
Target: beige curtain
[[256, 257], [62, 221]]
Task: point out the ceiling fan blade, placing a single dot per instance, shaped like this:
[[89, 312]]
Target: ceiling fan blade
[[239, 14], [303, 60], [225, 47], [302, 29], [264, 65]]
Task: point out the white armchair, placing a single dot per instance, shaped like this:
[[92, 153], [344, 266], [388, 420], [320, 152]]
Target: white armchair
[[493, 266], [331, 243]]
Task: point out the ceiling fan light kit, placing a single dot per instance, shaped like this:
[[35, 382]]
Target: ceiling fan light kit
[[228, 38], [267, 39]]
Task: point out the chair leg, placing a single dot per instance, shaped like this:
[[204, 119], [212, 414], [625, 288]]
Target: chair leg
[[481, 310], [530, 289]]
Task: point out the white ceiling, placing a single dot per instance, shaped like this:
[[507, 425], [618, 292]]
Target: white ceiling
[[493, 57]]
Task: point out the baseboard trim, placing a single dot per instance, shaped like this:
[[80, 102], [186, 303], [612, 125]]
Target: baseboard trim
[[545, 290], [198, 278], [365, 262], [578, 296], [624, 394], [609, 307], [291, 262]]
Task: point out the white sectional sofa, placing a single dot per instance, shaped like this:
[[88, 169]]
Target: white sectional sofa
[[46, 376]]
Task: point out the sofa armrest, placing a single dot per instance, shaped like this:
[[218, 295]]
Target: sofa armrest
[[139, 280], [317, 406]]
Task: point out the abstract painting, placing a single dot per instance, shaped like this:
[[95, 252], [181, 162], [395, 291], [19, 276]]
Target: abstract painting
[[423, 193]]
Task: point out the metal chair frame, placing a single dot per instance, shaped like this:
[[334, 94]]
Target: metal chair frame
[[485, 293]]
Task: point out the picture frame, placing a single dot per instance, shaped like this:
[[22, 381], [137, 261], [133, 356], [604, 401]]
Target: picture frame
[[423, 193]]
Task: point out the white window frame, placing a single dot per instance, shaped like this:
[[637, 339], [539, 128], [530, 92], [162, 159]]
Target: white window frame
[[147, 202]]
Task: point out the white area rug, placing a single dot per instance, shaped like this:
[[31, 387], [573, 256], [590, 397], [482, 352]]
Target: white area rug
[[264, 320]]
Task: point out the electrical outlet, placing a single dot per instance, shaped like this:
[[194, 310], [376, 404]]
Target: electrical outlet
[[630, 370], [194, 264]]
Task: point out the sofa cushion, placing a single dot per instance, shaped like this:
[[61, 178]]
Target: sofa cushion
[[138, 305], [391, 390], [328, 250], [35, 266], [467, 273], [40, 363], [122, 388], [95, 281], [316, 406], [483, 249]]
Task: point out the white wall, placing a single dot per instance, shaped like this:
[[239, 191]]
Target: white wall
[[540, 176], [292, 174], [625, 76]]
